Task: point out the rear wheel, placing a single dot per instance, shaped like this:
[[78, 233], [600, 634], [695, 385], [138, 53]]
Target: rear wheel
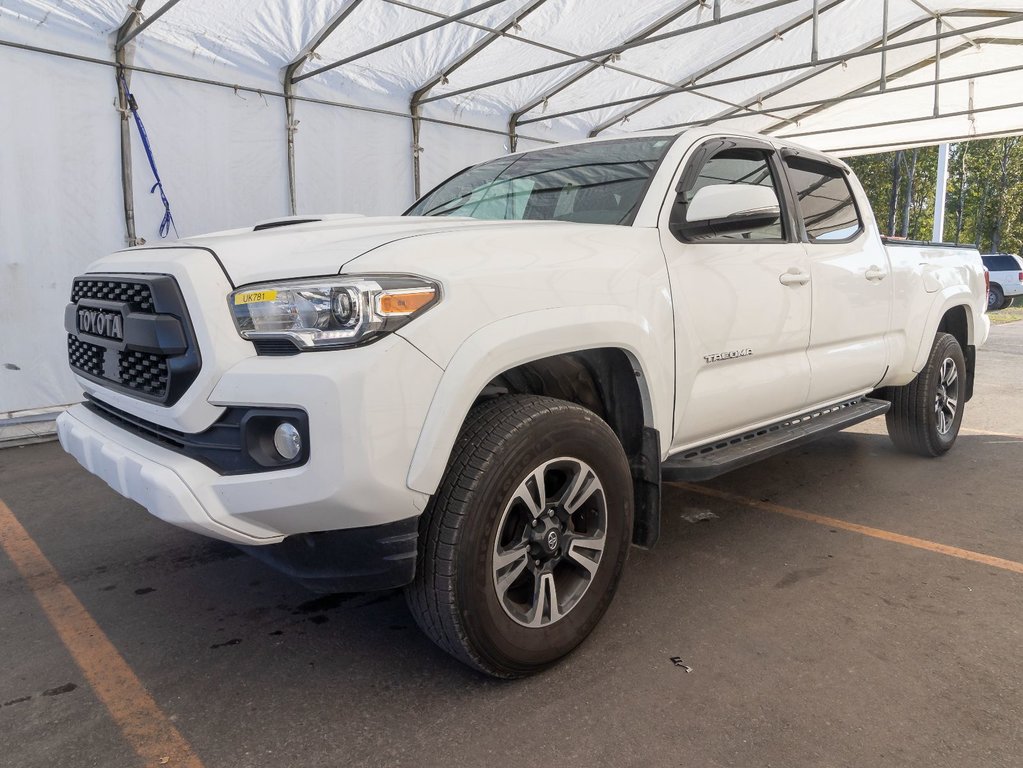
[[926, 413], [995, 297], [522, 547]]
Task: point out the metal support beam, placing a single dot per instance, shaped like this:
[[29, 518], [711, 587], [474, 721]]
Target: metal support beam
[[1015, 18], [821, 104], [867, 89], [902, 121], [937, 64], [715, 66], [593, 66], [125, 36], [401, 39], [864, 148], [618, 49], [816, 26], [884, 47], [940, 189], [307, 51], [342, 13], [442, 77], [495, 34], [261, 92]]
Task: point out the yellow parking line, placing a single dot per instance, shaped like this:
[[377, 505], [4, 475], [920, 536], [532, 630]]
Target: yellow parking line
[[150, 733], [877, 533]]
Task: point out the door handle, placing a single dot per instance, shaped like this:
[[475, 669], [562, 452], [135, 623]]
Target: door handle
[[794, 277], [875, 273]]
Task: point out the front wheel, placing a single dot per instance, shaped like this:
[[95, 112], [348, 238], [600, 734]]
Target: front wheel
[[926, 413], [522, 547]]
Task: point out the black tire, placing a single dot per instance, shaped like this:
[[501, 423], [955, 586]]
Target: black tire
[[919, 421], [995, 297], [454, 597], [1007, 302]]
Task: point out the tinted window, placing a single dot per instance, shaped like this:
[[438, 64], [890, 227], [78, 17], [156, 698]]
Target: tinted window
[[739, 166], [601, 183], [1001, 263], [825, 200]]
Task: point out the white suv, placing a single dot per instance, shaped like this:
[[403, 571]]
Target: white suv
[[1006, 279]]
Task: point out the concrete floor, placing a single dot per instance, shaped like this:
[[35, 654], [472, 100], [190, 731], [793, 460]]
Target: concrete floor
[[810, 644]]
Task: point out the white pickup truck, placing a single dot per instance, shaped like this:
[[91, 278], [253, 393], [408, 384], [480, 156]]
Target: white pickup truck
[[478, 400]]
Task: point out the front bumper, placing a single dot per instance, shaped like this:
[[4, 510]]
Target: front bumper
[[366, 408]]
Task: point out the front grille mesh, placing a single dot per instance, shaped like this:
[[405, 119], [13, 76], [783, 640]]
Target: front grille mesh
[[143, 371], [159, 370], [85, 356], [137, 295]]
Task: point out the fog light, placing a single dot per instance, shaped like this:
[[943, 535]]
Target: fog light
[[287, 441]]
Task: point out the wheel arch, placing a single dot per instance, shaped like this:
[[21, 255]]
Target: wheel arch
[[954, 315], [592, 356]]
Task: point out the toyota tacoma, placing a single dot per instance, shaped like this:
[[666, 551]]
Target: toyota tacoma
[[477, 401]]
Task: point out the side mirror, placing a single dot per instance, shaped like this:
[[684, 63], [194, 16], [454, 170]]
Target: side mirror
[[725, 209]]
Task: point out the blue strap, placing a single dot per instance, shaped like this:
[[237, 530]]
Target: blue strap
[[167, 224]]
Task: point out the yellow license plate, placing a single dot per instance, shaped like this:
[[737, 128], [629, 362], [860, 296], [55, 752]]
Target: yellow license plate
[[253, 297]]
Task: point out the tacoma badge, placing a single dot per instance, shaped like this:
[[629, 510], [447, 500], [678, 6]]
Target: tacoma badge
[[728, 355]]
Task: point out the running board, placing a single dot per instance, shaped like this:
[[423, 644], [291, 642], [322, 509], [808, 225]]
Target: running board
[[708, 461]]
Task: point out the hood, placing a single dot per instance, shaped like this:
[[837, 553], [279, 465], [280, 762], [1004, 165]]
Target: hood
[[321, 245]]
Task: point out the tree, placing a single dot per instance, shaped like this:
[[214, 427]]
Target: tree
[[984, 198]]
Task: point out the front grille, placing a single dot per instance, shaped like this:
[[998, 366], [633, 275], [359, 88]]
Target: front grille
[[136, 295], [85, 356], [148, 349], [143, 371]]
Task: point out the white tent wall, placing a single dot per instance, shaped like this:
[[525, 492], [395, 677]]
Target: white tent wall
[[337, 153], [222, 149], [222, 156], [447, 149], [60, 207]]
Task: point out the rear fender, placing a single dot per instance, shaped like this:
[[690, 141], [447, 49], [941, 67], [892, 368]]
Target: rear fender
[[947, 298]]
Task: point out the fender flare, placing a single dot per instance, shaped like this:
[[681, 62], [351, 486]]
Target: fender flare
[[955, 296], [512, 341]]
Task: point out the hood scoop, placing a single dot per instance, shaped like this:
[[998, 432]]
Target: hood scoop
[[287, 221]]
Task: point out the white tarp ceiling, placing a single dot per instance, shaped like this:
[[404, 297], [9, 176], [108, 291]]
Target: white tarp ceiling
[[209, 79]]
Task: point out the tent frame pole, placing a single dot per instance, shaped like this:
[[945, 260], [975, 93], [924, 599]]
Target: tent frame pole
[[125, 32], [125, 36], [715, 66], [442, 77], [866, 90], [401, 39], [789, 84], [618, 49], [859, 94], [903, 121], [291, 124], [855, 54], [593, 66]]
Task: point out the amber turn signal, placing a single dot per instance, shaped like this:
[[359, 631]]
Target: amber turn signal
[[404, 302]]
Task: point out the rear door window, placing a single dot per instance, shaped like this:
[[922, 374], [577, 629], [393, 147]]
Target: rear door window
[[825, 200]]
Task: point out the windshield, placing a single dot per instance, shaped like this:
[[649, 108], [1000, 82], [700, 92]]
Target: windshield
[[600, 183]]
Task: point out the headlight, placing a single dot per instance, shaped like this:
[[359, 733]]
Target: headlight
[[331, 312]]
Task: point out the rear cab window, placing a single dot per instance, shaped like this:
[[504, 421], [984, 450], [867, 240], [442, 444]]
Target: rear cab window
[[825, 200]]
